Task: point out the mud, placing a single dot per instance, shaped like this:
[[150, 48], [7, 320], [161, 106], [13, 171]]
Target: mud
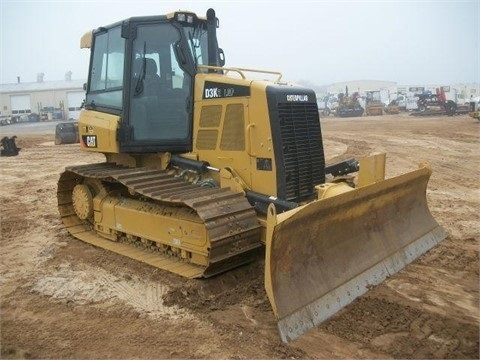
[[61, 298]]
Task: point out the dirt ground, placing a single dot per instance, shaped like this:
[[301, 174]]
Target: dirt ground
[[61, 298]]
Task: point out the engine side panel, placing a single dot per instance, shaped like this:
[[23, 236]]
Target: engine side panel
[[98, 131]]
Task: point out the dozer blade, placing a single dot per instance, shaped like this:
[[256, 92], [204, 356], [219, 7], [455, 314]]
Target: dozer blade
[[323, 255]]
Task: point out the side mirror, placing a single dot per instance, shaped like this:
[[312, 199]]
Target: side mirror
[[221, 57], [84, 86]]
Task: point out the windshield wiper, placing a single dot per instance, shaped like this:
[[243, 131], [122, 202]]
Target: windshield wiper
[[193, 46], [196, 35], [142, 74]]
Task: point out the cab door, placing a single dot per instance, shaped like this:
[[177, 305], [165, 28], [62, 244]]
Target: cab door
[[158, 114]]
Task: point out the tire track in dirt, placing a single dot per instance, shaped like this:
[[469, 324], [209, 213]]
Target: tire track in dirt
[[95, 285]]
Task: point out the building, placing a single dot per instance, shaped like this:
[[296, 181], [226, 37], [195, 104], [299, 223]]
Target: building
[[50, 100]]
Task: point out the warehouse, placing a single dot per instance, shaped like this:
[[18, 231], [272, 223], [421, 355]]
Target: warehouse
[[42, 100]]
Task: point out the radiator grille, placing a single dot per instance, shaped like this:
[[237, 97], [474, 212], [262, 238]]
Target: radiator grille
[[207, 139], [210, 116], [302, 149], [233, 134]]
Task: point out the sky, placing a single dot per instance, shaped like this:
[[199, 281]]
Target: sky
[[410, 42]]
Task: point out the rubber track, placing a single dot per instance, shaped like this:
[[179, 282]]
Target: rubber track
[[231, 222]]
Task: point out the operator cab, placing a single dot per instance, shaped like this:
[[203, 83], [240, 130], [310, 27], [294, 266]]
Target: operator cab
[[143, 70]]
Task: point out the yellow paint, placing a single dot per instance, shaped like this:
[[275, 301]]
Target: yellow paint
[[100, 126]]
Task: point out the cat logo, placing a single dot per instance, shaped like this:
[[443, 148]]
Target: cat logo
[[90, 141]]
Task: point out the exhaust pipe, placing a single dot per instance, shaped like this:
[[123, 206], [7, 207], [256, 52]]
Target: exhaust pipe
[[212, 39]]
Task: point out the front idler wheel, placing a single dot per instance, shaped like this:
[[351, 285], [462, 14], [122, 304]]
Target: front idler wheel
[[82, 200]]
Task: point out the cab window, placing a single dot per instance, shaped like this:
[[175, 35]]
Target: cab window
[[106, 77]]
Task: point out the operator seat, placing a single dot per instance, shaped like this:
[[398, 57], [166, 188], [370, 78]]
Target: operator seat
[[145, 103], [152, 80]]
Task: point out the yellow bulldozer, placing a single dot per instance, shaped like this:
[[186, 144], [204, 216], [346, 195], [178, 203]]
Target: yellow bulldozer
[[206, 166], [373, 103]]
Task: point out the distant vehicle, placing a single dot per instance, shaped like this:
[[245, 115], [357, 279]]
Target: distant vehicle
[[19, 118], [374, 105], [5, 120], [475, 108], [401, 101], [327, 105], [437, 104], [411, 103], [66, 133], [33, 117], [392, 108], [349, 106]]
